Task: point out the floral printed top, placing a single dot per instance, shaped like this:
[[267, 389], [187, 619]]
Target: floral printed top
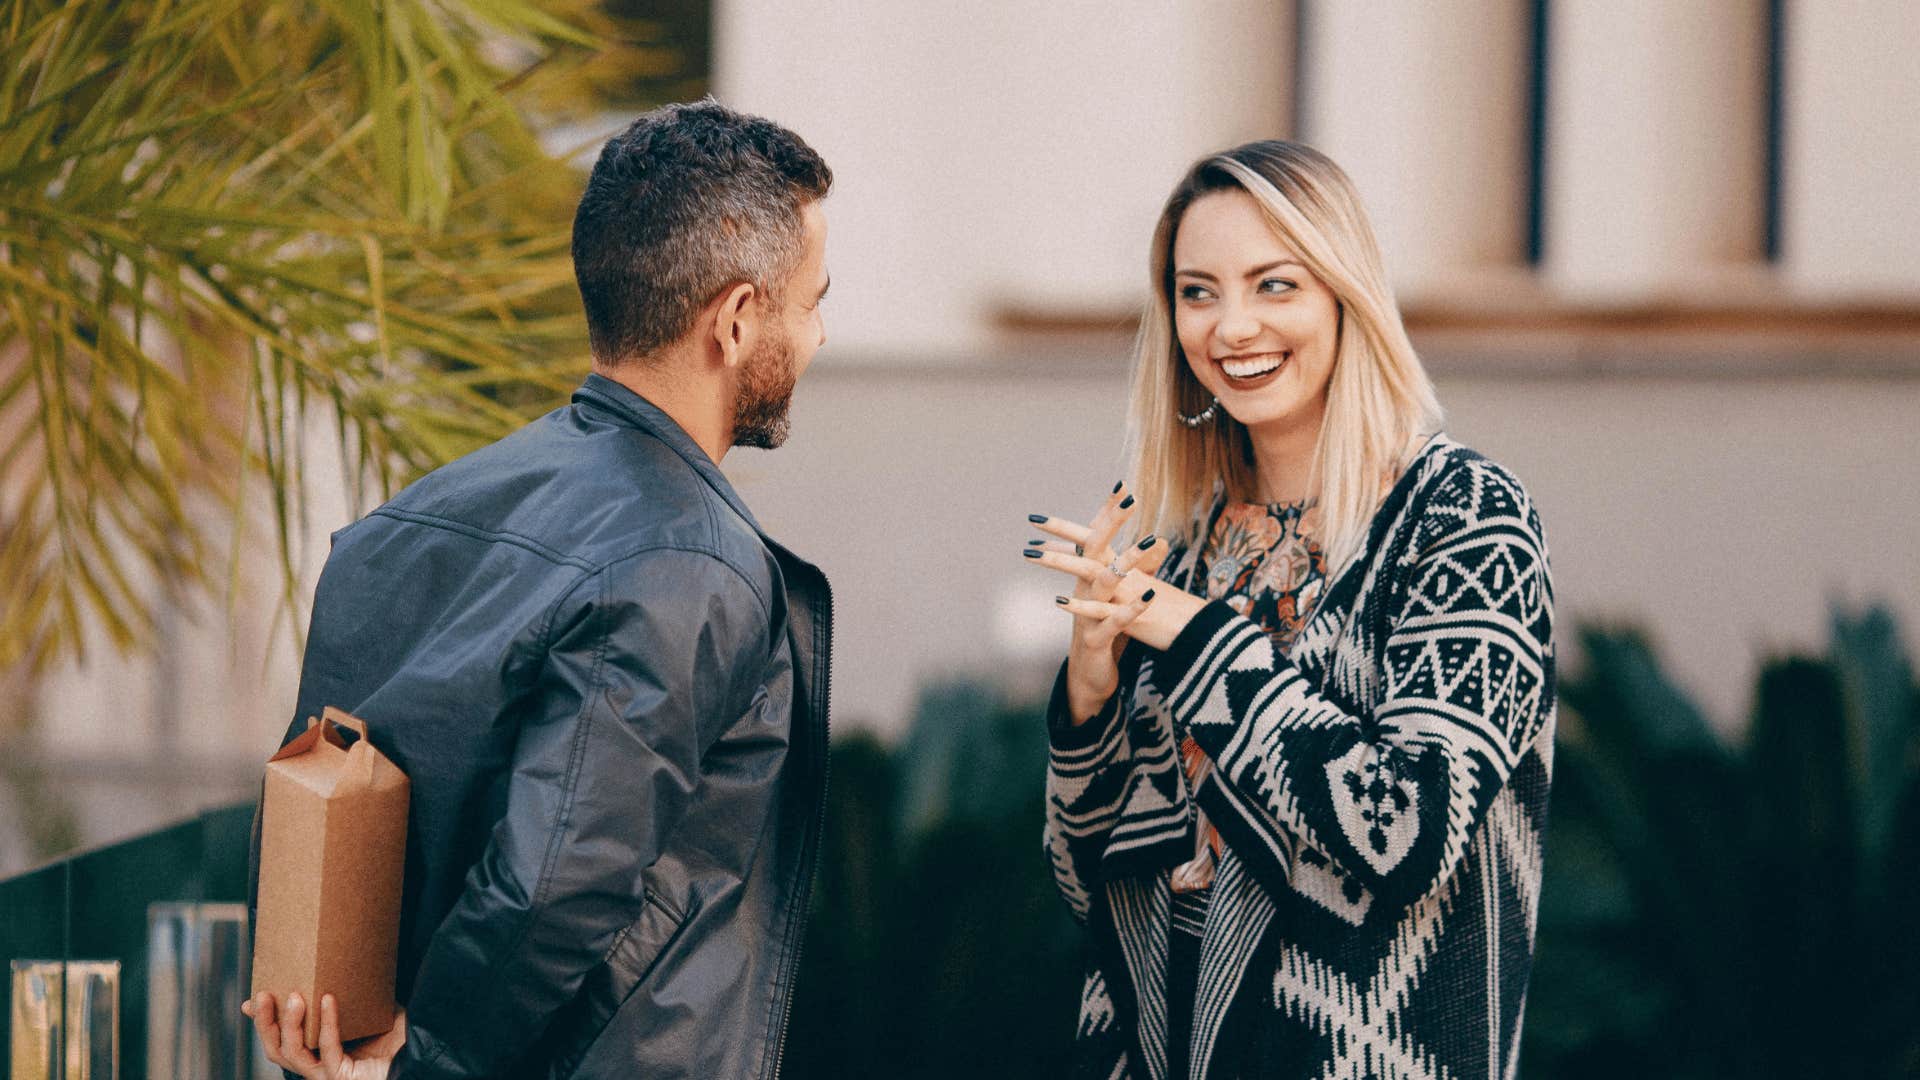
[[1262, 562], [1260, 559]]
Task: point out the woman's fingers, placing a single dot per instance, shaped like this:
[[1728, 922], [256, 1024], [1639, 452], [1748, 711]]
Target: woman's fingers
[[1152, 556], [1094, 538], [1106, 524], [1060, 546], [1137, 555], [1096, 575], [1109, 629], [1072, 532], [1104, 610]]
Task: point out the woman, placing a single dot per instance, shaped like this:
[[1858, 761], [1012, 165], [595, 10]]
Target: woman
[[1301, 746]]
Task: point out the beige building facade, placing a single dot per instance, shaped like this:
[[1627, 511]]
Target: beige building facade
[[1662, 259]]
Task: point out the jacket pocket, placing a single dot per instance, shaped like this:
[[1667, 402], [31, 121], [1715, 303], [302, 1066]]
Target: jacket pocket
[[608, 986]]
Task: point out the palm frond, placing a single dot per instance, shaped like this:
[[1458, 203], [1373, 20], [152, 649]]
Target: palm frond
[[221, 221]]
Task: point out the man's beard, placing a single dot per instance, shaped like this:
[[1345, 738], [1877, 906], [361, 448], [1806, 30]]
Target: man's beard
[[766, 390]]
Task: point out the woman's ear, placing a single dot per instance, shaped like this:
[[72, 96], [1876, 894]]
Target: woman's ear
[[734, 320]]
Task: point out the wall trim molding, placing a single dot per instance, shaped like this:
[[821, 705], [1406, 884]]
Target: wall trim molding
[[1527, 340]]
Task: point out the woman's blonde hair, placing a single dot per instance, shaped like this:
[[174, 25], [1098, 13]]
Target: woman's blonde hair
[[1379, 396]]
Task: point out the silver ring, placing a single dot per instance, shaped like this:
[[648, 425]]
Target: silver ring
[[1115, 569]]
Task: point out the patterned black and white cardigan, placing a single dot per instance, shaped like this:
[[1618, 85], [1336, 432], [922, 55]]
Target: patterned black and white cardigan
[[1380, 789]]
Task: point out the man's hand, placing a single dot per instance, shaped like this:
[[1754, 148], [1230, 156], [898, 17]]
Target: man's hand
[[283, 1033]]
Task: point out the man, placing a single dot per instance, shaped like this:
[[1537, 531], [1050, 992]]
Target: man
[[607, 685]]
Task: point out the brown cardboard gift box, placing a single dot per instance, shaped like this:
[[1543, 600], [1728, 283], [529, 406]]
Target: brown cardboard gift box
[[333, 838]]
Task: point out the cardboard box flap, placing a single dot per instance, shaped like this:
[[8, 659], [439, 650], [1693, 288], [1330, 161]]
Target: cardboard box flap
[[324, 729], [368, 768], [302, 744]]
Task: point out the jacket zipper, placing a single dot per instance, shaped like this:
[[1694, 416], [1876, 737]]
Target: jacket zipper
[[823, 665]]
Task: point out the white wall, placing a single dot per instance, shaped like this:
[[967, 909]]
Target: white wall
[[1655, 171], [1852, 166], [1424, 106], [998, 152]]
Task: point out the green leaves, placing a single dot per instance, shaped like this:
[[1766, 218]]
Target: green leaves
[[1713, 909], [232, 230]]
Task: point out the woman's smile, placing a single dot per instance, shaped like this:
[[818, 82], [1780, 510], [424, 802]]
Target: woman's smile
[[1253, 370]]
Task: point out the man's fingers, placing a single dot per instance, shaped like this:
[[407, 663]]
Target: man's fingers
[[293, 1026], [293, 1040], [330, 1052], [262, 1011]]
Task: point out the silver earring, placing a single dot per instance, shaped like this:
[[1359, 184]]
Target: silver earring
[[1206, 414]]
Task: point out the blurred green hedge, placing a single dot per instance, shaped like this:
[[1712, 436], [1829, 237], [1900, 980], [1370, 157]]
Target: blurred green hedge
[[1709, 909]]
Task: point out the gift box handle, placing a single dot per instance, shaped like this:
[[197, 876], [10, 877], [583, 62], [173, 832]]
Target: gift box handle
[[341, 718]]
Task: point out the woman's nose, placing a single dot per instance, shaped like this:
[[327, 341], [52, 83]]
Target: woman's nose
[[1237, 326]]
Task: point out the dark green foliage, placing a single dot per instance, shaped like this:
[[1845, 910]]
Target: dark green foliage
[[938, 947], [93, 906], [1709, 910], [1712, 910]]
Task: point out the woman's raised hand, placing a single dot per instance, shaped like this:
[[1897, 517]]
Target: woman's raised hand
[[1121, 584]]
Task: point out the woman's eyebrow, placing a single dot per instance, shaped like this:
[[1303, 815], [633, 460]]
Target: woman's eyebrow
[[1253, 273], [1258, 270]]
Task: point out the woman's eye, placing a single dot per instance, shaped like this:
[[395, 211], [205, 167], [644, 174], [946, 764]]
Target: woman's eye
[[1277, 285], [1193, 293]]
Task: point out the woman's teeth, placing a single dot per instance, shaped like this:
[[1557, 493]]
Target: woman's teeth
[[1254, 366]]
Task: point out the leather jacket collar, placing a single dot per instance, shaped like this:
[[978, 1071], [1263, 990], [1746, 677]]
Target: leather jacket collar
[[637, 412]]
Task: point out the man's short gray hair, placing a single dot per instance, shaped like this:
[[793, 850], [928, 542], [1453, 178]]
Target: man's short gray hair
[[687, 201]]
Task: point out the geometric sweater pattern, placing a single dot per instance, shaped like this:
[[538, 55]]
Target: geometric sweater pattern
[[1380, 788]]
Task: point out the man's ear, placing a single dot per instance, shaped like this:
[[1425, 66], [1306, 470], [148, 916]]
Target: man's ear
[[734, 320]]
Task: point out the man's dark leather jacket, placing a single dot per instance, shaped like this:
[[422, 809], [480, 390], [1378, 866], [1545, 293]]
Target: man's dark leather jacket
[[609, 690]]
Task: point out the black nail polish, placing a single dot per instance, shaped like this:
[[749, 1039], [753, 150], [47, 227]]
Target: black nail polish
[[1033, 553], [1037, 519], [1118, 484], [1126, 502], [1146, 596], [1059, 599], [1148, 542], [1035, 543]]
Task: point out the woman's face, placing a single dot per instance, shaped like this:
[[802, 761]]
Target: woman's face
[[1258, 329]]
